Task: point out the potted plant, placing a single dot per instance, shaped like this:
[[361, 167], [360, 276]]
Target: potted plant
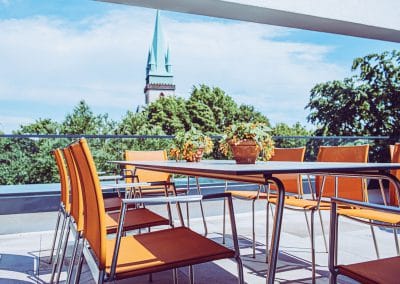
[[245, 141], [190, 145]]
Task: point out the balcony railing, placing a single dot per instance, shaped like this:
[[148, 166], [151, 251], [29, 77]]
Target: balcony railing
[[28, 171]]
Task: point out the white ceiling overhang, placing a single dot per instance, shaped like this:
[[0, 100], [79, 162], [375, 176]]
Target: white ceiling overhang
[[372, 19]]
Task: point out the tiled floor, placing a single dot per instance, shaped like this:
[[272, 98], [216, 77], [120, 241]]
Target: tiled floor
[[24, 255]]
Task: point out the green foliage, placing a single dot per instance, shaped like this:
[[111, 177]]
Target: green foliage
[[257, 132], [282, 129], [40, 126], [186, 145], [170, 114], [367, 103], [208, 109], [83, 121], [247, 113]]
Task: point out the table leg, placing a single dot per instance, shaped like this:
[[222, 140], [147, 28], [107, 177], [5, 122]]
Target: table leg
[[276, 231]]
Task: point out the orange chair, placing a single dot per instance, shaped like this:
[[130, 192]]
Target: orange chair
[[135, 218], [325, 187], [379, 218], [292, 183], [161, 183], [376, 271], [395, 158], [64, 207], [130, 256]]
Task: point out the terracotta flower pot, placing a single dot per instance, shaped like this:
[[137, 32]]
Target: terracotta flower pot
[[245, 151]]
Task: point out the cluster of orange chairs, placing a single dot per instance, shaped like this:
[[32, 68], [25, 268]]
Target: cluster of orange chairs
[[93, 218], [347, 190]]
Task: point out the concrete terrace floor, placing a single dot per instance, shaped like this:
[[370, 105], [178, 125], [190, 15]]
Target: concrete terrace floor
[[25, 240]]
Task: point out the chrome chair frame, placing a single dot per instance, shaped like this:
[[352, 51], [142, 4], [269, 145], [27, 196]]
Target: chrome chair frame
[[174, 199], [334, 222]]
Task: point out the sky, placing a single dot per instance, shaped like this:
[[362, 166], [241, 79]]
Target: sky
[[54, 53]]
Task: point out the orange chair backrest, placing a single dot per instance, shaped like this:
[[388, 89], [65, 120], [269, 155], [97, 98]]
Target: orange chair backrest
[[76, 192], [349, 188], [94, 229], [143, 175], [395, 158], [391, 151], [62, 170], [291, 182]]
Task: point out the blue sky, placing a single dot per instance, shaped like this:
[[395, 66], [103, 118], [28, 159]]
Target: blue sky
[[54, 53]]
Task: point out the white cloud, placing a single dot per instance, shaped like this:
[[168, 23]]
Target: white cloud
[[9, 123], [102, 60]]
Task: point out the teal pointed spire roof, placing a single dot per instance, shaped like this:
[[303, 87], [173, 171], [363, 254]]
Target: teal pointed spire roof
[[158, 62]]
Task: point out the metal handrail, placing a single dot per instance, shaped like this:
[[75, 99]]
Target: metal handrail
[[134, 136]]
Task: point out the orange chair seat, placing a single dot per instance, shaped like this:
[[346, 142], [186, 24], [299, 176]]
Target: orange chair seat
[[163, 250], [376, 271], [252, 194], [112, 203], [134, 219], [304, 203], [371, 215], [249, 194]]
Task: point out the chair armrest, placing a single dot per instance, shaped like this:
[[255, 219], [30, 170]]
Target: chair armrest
[[378, 207], [110, 177], [123, 185], [152, 200]]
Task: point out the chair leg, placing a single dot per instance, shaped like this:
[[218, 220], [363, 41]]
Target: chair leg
[[224, 223], [374, 239], [187, 204], [187, 215], [55, 236], [323, 231], [191, 274], [223, 216], [60, 241], [63, 251], [333, 278], [253, 227], [175, 275], [396, 241], [80, 263], [101, 277], [240, 270], [73, 258], [313, 246], [267, 234], [201, 208], [333, 245], [308, 223]]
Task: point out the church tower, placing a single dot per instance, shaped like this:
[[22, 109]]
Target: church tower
[[159, 78]]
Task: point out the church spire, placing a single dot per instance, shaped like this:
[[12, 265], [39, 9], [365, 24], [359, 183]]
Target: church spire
[[159, 51], [159, 78]]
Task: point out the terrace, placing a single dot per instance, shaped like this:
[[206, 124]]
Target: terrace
[[28, 219], [27, 213]]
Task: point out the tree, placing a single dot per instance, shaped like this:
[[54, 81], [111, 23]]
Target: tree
[[247, 113], [211, 101], [170, 114], [83, 121], [367, 103], [40, 126]]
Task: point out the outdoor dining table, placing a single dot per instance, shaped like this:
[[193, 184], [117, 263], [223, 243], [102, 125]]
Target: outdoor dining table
[[265, 173]]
